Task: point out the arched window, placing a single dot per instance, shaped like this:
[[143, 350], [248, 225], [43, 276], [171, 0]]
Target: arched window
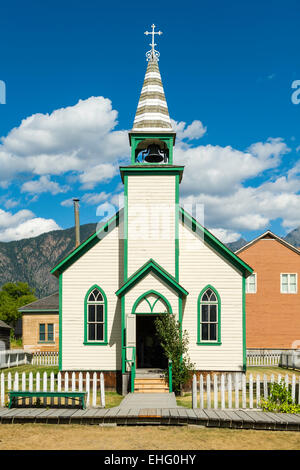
[[209, 317], [95, 316]]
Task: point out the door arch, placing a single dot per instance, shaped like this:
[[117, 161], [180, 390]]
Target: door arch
[[146, 308], [151, 302]]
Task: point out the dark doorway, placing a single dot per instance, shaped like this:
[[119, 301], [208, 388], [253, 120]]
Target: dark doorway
[[149, 352]]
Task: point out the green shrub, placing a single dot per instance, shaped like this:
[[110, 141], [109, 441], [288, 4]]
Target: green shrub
[[280, 400], [175, 347]]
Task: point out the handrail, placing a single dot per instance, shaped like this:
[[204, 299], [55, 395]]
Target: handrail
[[133, 368], [132, 363], [170, 376]]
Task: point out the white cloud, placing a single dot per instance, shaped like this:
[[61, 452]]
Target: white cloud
[[94, 198], [215, 177], [94, 175], [193, 131], [220, 170], [226, 236], [67, 202], [43, 185], [76, 138], [23, 224], [29, 228]]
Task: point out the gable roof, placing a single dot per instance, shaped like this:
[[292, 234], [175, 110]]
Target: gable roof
[[215, 243], [151, 266], [46, 304], [4, 325], [269, 235], [87, 244]]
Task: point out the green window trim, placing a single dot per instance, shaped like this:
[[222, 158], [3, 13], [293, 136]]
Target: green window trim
[[86, 341], [144, 296], [46, 333], [209, 343]]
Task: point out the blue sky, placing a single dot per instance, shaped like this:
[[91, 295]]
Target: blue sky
[[227, 67]]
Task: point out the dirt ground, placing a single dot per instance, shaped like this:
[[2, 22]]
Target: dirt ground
[[79, 437]]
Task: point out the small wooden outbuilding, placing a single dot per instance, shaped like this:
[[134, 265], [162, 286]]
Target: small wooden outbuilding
[[4, 336]]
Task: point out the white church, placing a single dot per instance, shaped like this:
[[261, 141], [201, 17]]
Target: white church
[[151, 258]]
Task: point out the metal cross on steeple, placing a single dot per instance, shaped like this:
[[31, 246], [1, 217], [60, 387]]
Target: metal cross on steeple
[[153, 54]]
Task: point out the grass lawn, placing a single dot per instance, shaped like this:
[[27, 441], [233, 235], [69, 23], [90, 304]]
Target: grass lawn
[[80, 437], [254, 370], [30, 368]]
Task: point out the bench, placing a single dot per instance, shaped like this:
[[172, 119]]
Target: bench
[[15, 396]]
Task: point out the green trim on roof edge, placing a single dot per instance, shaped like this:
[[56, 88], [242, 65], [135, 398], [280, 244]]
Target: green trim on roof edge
[[216, 244], [151, 265]]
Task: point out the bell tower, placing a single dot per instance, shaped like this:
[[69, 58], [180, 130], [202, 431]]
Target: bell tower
[[152, 137], [151, 181]]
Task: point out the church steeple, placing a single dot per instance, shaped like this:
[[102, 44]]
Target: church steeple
[[152, 136], [152, 113]]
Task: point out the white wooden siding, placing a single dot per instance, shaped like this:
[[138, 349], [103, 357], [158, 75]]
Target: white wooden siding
[[199, 266], [101, 265], [151, 221]]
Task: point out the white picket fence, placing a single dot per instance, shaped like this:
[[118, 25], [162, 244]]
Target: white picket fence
[[92, 383], [263, 359], [18, 357], [14, 357], [45, 358], [233, 391]]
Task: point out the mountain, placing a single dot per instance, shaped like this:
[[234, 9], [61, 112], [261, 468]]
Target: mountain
[[30, 260], [234, 246], [294, 237]]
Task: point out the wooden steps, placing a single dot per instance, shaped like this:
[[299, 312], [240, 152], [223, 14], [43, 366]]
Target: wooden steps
[[150, 385]]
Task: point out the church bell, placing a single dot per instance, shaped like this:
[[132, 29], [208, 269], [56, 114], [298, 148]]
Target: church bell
[[154, 154]]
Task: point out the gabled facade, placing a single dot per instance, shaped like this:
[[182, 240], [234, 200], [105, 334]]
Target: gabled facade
[[273, 293], [152, 258], [40, 324]]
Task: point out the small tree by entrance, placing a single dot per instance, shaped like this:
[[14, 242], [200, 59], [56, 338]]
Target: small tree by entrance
[[175, 346]]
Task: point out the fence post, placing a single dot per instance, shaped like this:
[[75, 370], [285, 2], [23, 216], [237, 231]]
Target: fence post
[[194, 392], [250, 391], [229, 386], [2, 390], [215, 391], [59, 386], [265, 387], [257, 390], [80, 389], [244, 402], [236, 390], [45, 387], [293, 391], [94, 400], [87, 388], [102, 390], [222, 391], [201, 392], [208, 387], [286, 381], [52, 387], [9, 381]]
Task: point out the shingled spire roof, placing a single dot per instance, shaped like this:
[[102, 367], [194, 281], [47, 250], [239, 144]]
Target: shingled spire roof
[[152, 113]]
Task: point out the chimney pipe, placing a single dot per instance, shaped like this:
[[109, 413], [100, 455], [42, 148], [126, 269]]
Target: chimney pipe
[[77, 226]]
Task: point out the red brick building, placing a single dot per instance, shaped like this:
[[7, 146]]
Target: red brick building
[[272, 293]]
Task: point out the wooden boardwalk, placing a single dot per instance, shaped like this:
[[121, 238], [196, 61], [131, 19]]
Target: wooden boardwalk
[[234, 419]]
